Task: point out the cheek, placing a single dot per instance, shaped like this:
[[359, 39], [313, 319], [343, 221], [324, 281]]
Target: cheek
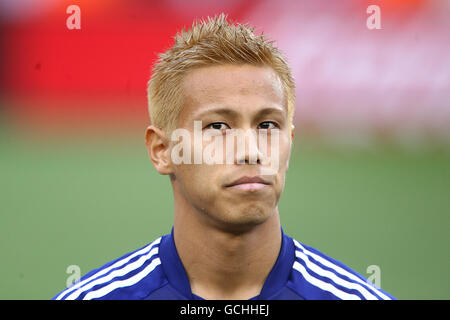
[[284, 153], [278, 151], [285, 150], [199, 182]]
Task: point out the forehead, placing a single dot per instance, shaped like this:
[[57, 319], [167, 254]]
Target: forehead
[[244, 86]]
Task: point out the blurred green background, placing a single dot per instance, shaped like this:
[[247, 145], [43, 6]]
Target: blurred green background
[[73, 202]]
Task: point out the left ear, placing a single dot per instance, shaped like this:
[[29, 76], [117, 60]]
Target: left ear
[[292, 131]]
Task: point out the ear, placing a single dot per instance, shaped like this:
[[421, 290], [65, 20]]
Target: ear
[[292, 132], [158, 149]]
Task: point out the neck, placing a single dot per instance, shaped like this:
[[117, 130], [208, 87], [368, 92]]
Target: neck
[[222, 264]]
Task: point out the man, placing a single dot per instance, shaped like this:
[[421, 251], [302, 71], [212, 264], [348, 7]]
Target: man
[[221, 80]]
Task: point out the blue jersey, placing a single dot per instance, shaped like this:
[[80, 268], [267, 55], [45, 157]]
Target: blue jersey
[[155, 272]]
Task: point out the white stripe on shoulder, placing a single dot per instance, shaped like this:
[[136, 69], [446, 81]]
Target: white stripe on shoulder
[[340, 270], [116, 273], [102, 272], [324, 285], [123, 283], [332, 276]]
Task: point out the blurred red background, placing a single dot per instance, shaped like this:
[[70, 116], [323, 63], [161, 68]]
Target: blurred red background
[[353, 83]]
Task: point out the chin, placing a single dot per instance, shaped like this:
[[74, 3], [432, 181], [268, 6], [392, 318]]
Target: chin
[[245, 217]]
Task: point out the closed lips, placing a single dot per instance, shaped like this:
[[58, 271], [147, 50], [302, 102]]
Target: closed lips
[[249, 183]]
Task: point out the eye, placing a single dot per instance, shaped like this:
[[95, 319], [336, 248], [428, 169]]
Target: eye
[[268, 125], [217, 126]]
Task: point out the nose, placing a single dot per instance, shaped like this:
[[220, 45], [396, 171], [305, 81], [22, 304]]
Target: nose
[[247, 148]]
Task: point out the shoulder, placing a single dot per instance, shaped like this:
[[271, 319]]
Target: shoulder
[[317, 276], [132, 276]]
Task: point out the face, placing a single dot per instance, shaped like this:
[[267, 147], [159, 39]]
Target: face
[[226, 97]]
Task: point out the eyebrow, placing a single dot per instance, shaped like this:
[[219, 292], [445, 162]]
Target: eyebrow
[[231, 113], [269, 110], [220, 111]]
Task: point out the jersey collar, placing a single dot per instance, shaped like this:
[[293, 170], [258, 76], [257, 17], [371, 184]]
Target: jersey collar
[[177, 276]]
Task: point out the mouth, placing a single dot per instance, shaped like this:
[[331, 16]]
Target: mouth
[[247, 183]]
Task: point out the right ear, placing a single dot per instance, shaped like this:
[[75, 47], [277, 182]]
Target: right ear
[[158, 149]]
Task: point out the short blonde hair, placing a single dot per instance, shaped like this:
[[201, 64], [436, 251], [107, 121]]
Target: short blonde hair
[[213, 41]]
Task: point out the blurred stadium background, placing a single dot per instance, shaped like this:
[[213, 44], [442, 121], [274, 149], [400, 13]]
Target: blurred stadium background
[[369, 182]]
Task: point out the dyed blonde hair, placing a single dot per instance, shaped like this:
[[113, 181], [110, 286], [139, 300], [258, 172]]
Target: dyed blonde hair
[[214, 41]]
